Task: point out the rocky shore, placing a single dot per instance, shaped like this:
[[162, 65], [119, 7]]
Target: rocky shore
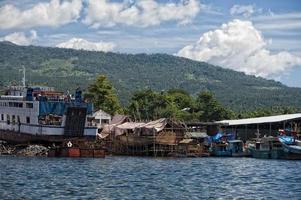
[[22, 150]]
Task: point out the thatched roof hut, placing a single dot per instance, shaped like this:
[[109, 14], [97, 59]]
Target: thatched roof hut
[[161, 131]]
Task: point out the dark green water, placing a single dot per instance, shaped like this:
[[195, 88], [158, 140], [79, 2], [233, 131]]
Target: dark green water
[[148, 178]]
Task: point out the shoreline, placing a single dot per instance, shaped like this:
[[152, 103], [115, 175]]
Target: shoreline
[[27, 150]]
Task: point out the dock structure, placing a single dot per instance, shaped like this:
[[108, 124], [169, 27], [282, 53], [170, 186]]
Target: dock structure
[[261, 126], [155, 138]]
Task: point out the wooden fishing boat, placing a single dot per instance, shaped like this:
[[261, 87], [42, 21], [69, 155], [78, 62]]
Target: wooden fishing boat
[[290, 144], [231, 148], [266, 148], [236, 147], [220, 149]]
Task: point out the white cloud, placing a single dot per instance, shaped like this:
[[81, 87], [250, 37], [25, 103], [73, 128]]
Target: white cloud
[[141, 13], [20, 38], [244, 10], [279, 21], [79, 43], [53, 13], [238, 45]]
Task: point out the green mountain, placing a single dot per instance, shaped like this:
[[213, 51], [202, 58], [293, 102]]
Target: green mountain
[[68, 69]]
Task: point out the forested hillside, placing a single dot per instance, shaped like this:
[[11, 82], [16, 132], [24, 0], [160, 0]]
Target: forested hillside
[[68, 69]]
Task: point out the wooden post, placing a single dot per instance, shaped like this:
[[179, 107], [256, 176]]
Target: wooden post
[[257, 127], [154, 135]]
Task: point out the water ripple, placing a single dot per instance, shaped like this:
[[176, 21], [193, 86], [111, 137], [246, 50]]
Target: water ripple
[[148, 178]]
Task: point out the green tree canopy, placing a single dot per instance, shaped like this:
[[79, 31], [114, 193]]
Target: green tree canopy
[[103, 95], [147, 105], [175, 104], [210, 109]]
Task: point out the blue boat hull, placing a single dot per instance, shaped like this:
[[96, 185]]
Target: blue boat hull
[[267, 154], [292, 148]]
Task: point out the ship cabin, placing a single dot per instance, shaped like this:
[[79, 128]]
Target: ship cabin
[[41, 110]]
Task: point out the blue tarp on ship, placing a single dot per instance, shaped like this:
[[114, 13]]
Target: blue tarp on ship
[[59, 108]]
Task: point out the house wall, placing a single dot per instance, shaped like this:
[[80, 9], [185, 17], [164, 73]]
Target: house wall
[[99, 117]]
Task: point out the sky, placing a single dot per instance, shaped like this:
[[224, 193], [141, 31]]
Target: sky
[[260, 38]]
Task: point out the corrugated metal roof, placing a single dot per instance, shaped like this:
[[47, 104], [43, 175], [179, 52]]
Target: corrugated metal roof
[[197, 134], [261, 120]]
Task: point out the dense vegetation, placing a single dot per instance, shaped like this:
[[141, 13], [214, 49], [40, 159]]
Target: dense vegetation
[[68, 69], [102, 94], [176, 104]]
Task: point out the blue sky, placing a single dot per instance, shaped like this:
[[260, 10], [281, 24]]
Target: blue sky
[[261, 38]]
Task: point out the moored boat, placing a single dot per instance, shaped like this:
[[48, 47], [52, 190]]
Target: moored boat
[[236, 147], [291, 146], [41, 113], [220, 149], [226, 145], [231, 148], [266, 148]]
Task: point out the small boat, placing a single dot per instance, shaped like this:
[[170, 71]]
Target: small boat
[[290, 144], [266, 147], [220, 149], [223, 144], [236, 147], [231, 148]]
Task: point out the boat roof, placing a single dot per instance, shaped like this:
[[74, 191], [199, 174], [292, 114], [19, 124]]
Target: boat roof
[[234, 141], [260, 120]]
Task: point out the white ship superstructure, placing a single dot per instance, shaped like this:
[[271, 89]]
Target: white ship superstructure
[[43, 111]]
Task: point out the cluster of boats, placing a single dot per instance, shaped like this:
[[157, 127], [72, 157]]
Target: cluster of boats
[[281, 147]]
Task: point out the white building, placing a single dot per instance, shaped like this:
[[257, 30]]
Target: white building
[[101, 118]]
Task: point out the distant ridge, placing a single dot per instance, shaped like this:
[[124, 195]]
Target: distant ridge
[[68, 69], [8, 43]]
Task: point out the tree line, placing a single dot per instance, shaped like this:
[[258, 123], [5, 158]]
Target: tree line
[[177, 104]]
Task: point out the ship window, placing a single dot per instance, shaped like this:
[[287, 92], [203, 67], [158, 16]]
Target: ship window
[[28, 120], [29, 105], [13, 119], [2, 117], [8, 119]]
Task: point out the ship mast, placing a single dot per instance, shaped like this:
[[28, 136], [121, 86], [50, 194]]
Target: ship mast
[[24, 76]]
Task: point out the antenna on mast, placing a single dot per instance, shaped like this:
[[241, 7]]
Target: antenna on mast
[[24, 76]]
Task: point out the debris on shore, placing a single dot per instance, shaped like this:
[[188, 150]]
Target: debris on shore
[[24, 150], [33, 150], [6, 149]]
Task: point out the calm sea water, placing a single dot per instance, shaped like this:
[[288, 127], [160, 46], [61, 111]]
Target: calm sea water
[[149, 178]]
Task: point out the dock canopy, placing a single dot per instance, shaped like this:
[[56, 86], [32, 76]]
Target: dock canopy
[[260, 120], [109, 128], [122, 126]]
